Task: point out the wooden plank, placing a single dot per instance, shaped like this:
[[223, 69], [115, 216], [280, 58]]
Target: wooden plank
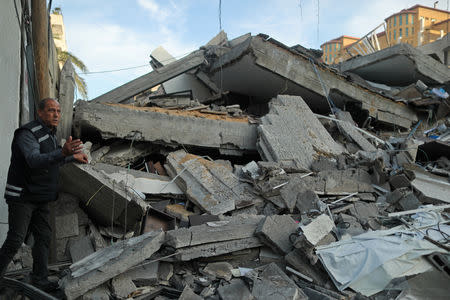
[[152, 79]]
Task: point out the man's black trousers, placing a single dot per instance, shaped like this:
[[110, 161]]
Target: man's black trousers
[[21, 217]]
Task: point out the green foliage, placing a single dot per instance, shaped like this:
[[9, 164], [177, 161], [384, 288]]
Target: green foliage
[[63, 56]]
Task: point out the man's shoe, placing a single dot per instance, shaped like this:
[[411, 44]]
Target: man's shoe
[[46, 285]]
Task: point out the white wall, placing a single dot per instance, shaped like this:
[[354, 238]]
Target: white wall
[[10, 65]]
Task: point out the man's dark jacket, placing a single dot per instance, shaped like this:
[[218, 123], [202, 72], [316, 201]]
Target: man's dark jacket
[[33, 177]]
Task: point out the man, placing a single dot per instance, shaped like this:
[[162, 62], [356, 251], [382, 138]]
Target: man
[[32, 183]]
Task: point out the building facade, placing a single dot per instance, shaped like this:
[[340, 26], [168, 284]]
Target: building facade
[[417, 25]]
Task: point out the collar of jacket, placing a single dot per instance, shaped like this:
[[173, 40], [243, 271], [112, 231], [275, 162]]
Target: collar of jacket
[[50, 130]]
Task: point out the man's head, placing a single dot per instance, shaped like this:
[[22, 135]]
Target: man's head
[[49, 112]]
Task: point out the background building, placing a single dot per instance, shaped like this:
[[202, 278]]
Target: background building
[[417, 25]]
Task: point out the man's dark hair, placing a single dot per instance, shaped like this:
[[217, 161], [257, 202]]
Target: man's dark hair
[[43, 103]]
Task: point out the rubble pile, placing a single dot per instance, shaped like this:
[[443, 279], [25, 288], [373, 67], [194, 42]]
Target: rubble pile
[[249, 170]]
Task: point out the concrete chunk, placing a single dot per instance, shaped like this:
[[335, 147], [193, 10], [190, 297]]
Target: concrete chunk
[[317, 229], [80, 248], [307, 138], [238, 227], [143, 275], [273, 283], [109, 262], [122, 286], [237, 289], [219, 270], [211, 186], [275, 230], [66, 225]]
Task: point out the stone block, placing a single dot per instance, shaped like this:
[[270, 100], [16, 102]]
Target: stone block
[[274, 231]]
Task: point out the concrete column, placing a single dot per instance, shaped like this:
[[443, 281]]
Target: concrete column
[[66, 95]]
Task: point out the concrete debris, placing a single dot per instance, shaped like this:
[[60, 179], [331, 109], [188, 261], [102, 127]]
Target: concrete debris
[[315, 231], [237, 289], [103, 198], [275, 232], [270, 282], [219, 270], [211, 186], [262, 188], [307, 140]]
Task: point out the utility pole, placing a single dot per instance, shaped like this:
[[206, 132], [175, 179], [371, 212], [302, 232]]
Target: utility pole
[[39, 19]]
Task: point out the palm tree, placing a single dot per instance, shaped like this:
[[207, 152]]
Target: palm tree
[[62, 56]]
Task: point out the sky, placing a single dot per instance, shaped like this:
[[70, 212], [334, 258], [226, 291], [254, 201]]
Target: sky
[[115, 34]]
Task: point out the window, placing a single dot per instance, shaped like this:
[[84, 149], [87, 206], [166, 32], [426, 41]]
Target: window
[[334, 47], [406, 31], [329, 58], [406, 19], [339, 47], [400, 17], [395, 34], [412, 30], [400, 33], [395, 21], [433, 20], [390, 23], [412, 19]]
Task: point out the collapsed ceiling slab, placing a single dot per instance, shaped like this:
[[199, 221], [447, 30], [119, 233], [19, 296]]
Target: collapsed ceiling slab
[[399, 65], [229, 135], [152, 79], [269, 68]]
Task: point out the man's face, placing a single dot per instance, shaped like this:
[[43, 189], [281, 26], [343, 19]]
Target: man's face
[[50, 114]]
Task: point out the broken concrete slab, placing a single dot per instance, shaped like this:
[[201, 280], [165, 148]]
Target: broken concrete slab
[[237, 289], [398, 65], [234, 228], [211, 186], [188, 294], [183, 82], [109, 262], [121, 154], [307, 138], [307, 201], [432, 188], [217, 248], [261, 59], [104, 199], [66, 97], [347, 127], [270, 282], [291, 192], [143, 182], [167, 127], [275, 231], [149, 80]]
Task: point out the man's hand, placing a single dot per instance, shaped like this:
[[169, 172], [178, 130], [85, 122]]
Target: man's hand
[[81, 158], [72, 147]]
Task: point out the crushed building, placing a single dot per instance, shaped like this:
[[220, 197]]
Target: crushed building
[[250, 170]]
